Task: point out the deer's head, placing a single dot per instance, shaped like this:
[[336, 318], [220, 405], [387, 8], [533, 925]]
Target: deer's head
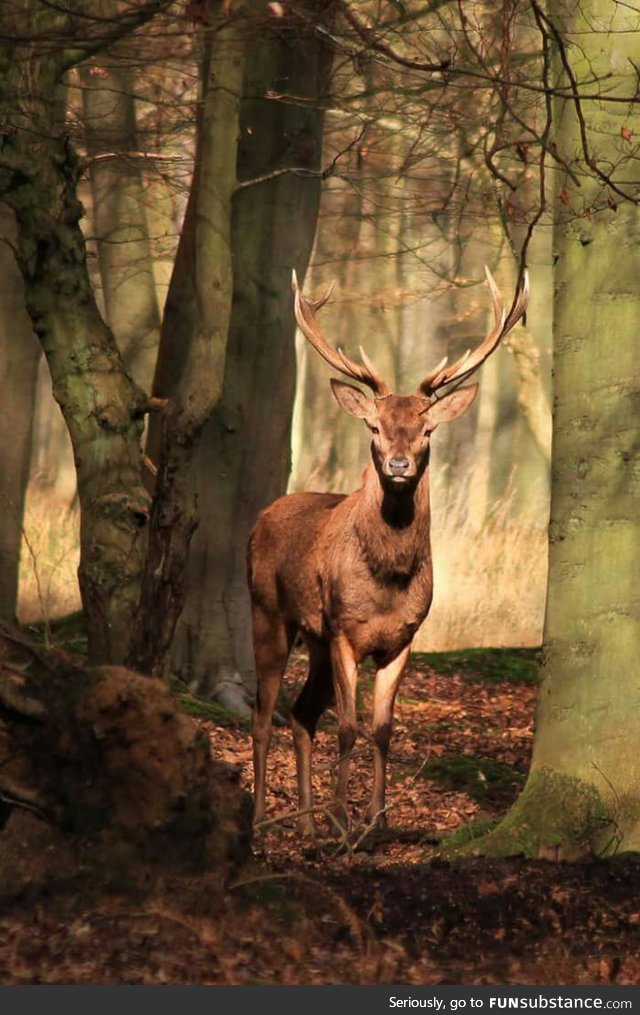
[[401, 425]]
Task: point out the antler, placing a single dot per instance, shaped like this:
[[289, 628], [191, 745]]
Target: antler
[[471, 361], [305, 311]]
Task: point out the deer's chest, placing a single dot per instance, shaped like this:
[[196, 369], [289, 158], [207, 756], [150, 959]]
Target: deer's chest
[[380, 618]]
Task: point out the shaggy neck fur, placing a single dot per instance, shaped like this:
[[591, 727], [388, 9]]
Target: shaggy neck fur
[[393, 526]]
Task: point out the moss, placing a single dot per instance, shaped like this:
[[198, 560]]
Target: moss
[[483, 779], [199, 708], [469, 833], [555, 817], [493, 665]]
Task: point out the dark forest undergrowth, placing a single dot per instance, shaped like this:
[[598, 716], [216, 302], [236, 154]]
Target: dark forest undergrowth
[[390, 911]]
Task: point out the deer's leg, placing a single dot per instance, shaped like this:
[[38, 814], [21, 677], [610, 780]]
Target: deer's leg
[[345, 676], [272, 642], [385, 689], [314, 698]]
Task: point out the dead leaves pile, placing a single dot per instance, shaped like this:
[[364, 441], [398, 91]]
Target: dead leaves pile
[[396, 913]]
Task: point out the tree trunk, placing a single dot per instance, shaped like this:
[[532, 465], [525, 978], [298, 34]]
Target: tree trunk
[[583, 791], [244, 457], [119, 216], [99, 760], [19, 354], [478, 500], [194, 343], [102, 408]]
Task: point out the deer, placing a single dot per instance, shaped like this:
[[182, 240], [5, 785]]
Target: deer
[[352, 574]]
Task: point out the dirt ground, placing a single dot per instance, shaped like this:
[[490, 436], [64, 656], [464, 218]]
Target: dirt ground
[[393, 911]]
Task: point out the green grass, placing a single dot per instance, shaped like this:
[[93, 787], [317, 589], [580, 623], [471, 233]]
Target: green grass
[[483, 779], [493, 665]]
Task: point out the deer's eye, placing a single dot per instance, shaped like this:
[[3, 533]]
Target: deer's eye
[[374, 429]]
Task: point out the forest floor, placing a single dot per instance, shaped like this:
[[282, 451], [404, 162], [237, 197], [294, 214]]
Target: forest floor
[[393, 911]]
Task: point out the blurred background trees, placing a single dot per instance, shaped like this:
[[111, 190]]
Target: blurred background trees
[[421, 138]]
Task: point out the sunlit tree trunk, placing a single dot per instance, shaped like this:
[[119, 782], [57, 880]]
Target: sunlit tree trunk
[[19, 354], [119, 215], [530, 344], [478, 500], [505, 454], [583, 791]]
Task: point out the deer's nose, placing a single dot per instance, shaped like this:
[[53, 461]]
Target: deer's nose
[[398, 466]]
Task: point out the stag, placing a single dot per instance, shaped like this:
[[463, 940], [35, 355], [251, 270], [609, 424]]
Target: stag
[[353, 574]]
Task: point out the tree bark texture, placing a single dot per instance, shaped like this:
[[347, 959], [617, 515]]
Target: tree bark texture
[[193, 346], [119, 215], [103, 409], [19, 355], [244, 457], [583, 792]]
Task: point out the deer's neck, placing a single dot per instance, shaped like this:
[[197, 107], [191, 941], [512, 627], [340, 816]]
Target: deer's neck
[[393, 528]]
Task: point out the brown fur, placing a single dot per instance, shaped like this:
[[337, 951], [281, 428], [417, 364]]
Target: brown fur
[[353, 575]]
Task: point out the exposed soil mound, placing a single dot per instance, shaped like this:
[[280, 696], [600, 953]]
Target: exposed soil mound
[[106, 757]]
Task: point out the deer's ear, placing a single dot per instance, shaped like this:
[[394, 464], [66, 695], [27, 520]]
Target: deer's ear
[[451, 406], [353, 400]]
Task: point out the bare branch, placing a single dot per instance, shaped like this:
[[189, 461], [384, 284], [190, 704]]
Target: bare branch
[[111, 30], [368, 36]]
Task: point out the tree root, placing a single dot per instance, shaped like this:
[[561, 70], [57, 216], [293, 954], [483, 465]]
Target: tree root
[[556, 818]]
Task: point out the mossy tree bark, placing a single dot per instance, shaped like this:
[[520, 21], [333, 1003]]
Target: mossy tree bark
[[583, 791], [193, 346], [244, 457], [103, 409]]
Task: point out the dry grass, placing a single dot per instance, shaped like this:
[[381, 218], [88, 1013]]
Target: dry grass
[[489, 585], [49, 560]]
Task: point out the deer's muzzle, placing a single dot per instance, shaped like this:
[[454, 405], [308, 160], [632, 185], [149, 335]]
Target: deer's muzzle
[[399, 469]]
